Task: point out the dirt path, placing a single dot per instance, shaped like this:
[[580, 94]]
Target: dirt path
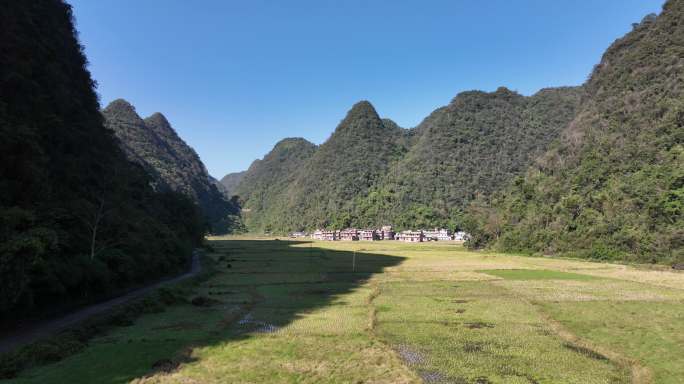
[[639, 374], [31, 332]]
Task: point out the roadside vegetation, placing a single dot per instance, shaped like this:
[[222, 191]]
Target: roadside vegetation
[[78, 222], [388, 312], [73, 339]]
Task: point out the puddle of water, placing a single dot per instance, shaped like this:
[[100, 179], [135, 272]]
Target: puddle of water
[[245, 319], [415, 358], [267, 328], [253, 325], [432, 377], [409, 355]]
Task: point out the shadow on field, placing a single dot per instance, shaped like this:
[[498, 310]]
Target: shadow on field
[[264, 285]]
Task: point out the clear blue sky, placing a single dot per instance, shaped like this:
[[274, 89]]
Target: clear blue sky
[[234, 77]]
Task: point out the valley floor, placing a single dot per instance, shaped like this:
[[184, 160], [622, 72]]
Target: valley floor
[[386, 312]]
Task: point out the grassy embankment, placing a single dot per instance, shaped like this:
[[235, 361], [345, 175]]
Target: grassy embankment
[[298, 312]]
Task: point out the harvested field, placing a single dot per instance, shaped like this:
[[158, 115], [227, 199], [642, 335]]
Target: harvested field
[[300, 312]]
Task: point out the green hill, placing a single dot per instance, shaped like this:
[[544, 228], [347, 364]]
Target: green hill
[[594, 170], [171, 163], [264, 184], [230, 181], [613, 188], [354, 159], [373, 172], [77, 220], [320, 184], [472, 146]]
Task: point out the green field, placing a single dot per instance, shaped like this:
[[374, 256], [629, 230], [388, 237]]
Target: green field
[[386, 312]]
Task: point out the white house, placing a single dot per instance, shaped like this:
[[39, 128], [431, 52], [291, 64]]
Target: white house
[[461, 236], [386, 232], [410, 236], [437, 234]]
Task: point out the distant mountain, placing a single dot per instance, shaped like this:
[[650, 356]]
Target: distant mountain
[[357, 156], [78, 221], [219, 186], [263, 188], [373, 172], [230, 182], [613, 188], [299, 185], [173, 165], [472, 146], [596, 169]]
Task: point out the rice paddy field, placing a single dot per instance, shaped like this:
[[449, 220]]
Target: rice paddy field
[[389, 312]]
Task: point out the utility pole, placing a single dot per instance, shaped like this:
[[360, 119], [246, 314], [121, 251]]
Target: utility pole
[[354, 262]]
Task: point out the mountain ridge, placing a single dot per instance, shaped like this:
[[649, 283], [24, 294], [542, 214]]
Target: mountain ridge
[[373, 154], [613, 187], [78, 220], [154, 144], [473, 162]]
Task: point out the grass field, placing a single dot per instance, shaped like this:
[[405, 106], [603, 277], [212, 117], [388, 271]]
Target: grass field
[[386, 312]]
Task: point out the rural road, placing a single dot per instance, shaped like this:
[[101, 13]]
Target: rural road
[[31, 332]]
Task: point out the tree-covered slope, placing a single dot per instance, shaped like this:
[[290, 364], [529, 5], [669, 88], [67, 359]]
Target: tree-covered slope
[[264, 186], [614, 187], [77, 219], [299, 186], [472, 146], [372, 172], [231, 181], [173, 164], [355, 157]]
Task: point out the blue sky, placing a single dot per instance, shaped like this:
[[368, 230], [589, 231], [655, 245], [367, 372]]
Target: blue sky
[[234, 77]]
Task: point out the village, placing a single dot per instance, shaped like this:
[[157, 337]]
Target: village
[[384, 233]]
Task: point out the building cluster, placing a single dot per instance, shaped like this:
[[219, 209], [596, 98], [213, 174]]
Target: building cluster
[[385, 233]]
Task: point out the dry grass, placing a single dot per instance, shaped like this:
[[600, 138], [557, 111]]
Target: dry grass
[[570, 290], [297, 312], [639, 374]]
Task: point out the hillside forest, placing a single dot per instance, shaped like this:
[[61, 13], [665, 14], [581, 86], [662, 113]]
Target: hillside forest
[[95, 201], [592, 171], [78, 221]]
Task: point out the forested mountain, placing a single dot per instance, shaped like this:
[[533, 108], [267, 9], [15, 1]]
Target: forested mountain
[[613, 188], [355, 157], [321, 183], [173, 165], [373, 172], [596, 169], [472, 146], [77, 219], [263, 185], [231, 181]]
